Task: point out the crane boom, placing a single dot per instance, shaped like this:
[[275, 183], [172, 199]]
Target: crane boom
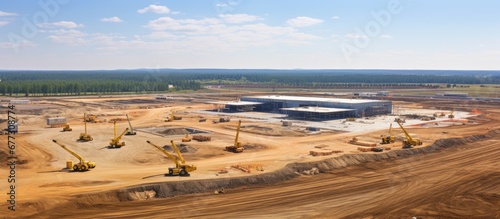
[[121, 135], [410, 139], [171, 157], [179, 155], [237, 134], [85, 121], [70, 151], [129, 124], [390, 130]]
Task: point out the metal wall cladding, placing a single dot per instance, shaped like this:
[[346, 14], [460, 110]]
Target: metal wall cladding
[[58, 120]]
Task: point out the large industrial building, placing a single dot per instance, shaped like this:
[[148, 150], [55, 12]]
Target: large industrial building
[[312, 108]]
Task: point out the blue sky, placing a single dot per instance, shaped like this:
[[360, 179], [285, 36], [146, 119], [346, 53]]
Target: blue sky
[[315, 34]]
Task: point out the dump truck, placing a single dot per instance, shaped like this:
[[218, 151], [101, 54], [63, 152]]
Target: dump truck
[[66, 128], [181, 168]]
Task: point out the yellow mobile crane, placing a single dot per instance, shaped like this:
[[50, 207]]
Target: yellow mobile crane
[[409, 142], [83, 165], [66, 128], [238, 146], [115, 142], [181, 168], [84, 136], [131, 130], [389, 139]]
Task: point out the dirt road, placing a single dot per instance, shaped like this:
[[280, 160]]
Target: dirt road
[[463, 182]]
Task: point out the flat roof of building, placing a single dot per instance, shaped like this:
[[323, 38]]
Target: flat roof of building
[[236, 103], [317, 109], [317, 99]]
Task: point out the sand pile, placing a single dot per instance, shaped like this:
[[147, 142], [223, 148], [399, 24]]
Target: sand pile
[[174, 131]]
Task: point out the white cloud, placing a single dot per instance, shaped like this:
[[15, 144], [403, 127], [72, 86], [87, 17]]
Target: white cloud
[[238, 18], [70, 37], [63, 24], [303, 21], [159, 9], [4, 14], [335, 17], [386, 36], [168, 23], [221, 5], [112, 19], [3, 23]]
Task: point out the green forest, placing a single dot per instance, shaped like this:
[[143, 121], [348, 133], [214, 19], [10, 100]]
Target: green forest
[[48, 83]]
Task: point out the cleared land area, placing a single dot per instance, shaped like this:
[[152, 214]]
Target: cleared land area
[[449, 176]]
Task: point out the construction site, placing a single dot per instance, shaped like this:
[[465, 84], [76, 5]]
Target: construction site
[[245, 154]]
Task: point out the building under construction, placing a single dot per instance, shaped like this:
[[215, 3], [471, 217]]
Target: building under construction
[[314, 108]]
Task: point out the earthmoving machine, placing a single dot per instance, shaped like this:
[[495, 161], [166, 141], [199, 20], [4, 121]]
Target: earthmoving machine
[[409, 142], [92, 118], [186, 138], [451, 116], [84, 136], [238, 146], [131, 130], [82, 166], [181, 168], [172, 117], [389, 139], [115, 142], [66, 128]]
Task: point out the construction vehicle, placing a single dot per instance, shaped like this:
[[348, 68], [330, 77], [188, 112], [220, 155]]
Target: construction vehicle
[[389, 139], [84, 136], [92, 118], [82, 166], [115, 142], [66, 128], [131, 130], [181, 168], [238, 146], [186, 138], [409, 142], [173, 117], [451, 116], [350, 119]]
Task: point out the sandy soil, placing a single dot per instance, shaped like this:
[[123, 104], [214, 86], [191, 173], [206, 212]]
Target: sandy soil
[[355, 192]]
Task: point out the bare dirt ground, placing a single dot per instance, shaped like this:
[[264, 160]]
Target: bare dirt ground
[[445, 184]]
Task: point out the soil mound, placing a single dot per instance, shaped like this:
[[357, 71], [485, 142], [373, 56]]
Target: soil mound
[[174, 131]]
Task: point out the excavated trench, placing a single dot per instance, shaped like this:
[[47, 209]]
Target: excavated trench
[[290, 171]]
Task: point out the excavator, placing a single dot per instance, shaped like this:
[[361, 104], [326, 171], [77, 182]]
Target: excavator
[[84, 136], [186, 138], [389, 139], [83, 165], [131, 130], [451, 116], [238, 146], [409, 142], [115, 142], [181, 168]]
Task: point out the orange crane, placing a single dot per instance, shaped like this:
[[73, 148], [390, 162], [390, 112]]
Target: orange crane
[[238, 146]]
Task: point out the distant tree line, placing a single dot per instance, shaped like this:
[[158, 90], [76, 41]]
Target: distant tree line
[[60, 83], [39, 83]]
